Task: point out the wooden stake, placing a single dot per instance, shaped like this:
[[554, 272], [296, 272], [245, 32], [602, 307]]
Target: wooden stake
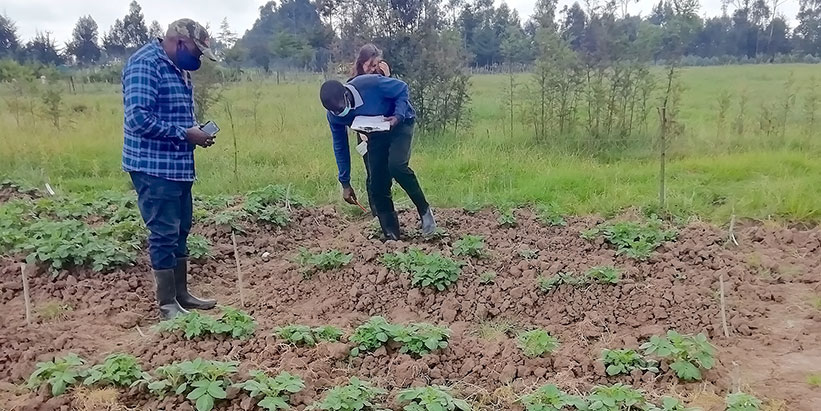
[[26, 296], [732, 231], [239, 270], [723, 307]]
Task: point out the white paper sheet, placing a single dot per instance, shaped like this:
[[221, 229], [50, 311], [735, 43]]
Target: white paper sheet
[[370, 124]]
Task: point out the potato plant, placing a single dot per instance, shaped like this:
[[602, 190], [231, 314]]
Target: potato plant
[[633, 239], [59, 373], [670, 404], [528, 254], [357, 395], [431, 398], [547, 284], [535, 343], [375, 333], [302, 335], [118, 370], [487, 277], [470, 246], [616, 397], [625, 361], [198, 247], [551, 398], [688, 354], [273, 393], [604, 275], [548, 215], [739, 401], [203, 382], [420, 338], [232, 322], [426, 270], [269, 204], [324, 261], [507, 218]]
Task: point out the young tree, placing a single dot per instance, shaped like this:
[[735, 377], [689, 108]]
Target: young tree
[[135, 33], [43, 49], [83, 45], [155, 31], [808, 30], [114, 42], [9, 42]]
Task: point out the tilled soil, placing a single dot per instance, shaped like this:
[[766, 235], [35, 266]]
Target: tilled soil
[[770, 281]]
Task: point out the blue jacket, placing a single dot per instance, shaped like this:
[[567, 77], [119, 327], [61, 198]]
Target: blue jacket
[[374, 95]]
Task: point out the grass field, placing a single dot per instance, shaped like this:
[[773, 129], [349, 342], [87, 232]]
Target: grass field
[[712, 173]]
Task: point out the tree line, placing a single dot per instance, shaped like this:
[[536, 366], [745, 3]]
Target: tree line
[[311, 34]]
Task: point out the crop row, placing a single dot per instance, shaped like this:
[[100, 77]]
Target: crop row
[[687, 355], [104, 231], [206, 382]]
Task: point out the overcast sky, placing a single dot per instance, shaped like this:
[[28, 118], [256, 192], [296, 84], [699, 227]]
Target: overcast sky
[[59, 16]]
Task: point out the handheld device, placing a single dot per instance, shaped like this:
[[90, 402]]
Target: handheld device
[[210, 128]]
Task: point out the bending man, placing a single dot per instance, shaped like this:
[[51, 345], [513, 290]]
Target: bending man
[[388, 151]]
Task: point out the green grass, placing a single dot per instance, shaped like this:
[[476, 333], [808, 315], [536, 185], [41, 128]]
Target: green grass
[[709, 175]]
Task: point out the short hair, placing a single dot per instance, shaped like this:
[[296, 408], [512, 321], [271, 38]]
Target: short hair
[[332, 95]]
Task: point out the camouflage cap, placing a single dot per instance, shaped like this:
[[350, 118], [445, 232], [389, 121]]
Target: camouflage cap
[[196, 32]]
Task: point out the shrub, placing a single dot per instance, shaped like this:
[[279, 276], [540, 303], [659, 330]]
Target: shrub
[[325, 261], [548, 215]]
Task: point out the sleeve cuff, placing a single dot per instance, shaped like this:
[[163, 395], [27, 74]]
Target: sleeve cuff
[[180, 133], [399, 117]]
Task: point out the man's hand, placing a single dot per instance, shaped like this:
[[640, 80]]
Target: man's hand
[[393, 120], [196, 136], [349, 195]]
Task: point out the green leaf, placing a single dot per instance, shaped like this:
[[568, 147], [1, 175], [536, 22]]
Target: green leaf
[[205, 403], [215, 390], [686, 370]]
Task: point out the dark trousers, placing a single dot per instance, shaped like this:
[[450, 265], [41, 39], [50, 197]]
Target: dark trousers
[[388, 157], [167, 209], [367, 178]]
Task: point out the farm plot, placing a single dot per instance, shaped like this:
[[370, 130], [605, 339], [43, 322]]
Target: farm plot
[[518, 310]]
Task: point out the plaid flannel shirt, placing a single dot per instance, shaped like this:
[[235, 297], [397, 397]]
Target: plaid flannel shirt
[[158, 107]]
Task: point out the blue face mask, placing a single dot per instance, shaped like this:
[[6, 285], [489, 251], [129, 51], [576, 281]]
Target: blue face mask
[[187, 60], [346, 110]]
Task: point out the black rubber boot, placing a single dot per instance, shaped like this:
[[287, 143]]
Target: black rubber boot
[[428, 222], [167, 295], [185, 298], [390, 226]]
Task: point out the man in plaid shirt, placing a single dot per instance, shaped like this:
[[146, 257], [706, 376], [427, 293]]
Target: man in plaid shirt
[[158, 152]]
